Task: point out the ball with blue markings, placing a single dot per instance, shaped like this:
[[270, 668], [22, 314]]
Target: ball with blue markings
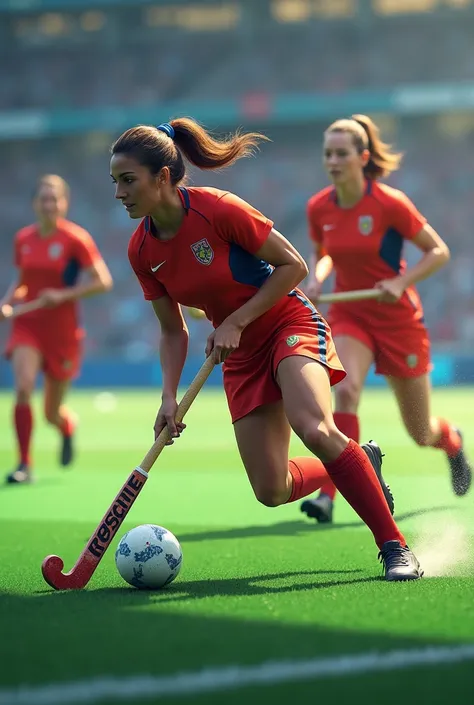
[[149, 557]]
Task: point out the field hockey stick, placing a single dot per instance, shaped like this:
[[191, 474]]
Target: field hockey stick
[[101, 539], [344, 296], [10, 312]]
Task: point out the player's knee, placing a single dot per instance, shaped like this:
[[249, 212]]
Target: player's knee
[[347, 396], [51, 415], [271, 496], [421, 436], [322, 438], [24, 389], [318, 439]]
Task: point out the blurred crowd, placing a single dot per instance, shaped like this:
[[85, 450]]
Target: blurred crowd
[[437, 172], [128, 62]]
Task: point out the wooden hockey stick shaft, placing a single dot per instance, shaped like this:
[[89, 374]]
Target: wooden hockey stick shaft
[[10, 312], [345, 296]]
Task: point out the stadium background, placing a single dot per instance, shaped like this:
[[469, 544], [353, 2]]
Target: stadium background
[[74, 74]]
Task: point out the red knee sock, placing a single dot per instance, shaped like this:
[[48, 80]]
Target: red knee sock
[[348, 424], [355, 478], [24, 428], [450, 440], [67, 425], [308, 474]]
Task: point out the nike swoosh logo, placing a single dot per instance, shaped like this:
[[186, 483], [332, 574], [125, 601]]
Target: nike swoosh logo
[[328, 227], [154, 269]]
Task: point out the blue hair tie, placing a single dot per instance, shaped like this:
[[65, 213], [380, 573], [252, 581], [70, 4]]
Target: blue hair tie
[[167, 129]]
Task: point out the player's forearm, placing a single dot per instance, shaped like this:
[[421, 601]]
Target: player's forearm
[[428, 265], [91, 288], [321, 268], [173, 351], [283, 279]]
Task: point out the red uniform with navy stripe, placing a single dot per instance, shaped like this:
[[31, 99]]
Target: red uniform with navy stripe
[[366, 243], [52, 262], [211, 264]]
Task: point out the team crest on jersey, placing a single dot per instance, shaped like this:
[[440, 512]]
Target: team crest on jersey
[[366, 224], [292, 340], [202, 251], [55, 250]]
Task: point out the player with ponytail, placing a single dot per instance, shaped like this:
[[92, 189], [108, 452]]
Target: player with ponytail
[[358, 226], [208, 249]]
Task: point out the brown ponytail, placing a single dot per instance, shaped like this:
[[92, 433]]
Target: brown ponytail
[[204, 151], [168, 145], [366, 135]]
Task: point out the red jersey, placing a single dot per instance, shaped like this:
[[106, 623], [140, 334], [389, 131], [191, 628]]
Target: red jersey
[[210, 264], [365, 244], [53, 262]]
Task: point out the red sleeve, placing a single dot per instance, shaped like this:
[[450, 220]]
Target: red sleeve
[[152, 288], [405, 217], [85, 249], [237, 221], [314, 228]]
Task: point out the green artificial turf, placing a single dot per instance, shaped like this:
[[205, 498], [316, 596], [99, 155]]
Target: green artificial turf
[[257, 584]]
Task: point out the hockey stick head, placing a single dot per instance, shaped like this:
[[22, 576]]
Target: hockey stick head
[[100, 540], [76, 579], [81, 573]]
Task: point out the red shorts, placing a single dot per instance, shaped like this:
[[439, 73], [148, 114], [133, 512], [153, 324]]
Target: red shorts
[[398, 352], [61, 358], [250, 374]]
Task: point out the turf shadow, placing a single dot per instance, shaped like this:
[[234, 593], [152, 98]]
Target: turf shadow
[[248, 586], [49, 481], [239, 586], [291, 528], [73, 635]]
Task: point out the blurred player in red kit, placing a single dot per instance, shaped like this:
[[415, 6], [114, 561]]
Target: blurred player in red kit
[[208, 249], [58, 263], [358, 227]]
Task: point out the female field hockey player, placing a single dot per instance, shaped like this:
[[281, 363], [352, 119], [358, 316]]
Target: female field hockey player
[[358, 226], [58, 264], [279, 358]]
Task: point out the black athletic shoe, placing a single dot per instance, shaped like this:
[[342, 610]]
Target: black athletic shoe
[[21, 475], [319, 508], [399, 562], [375, 456], [461, 473], [67, 450]]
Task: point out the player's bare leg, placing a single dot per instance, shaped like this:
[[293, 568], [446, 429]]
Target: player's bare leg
[[263, 439], [307, 401], [356, 359], [414, 401], [26, 361], [57, 414]]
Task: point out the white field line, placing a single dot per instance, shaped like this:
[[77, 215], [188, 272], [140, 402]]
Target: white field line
[[231, 677]]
